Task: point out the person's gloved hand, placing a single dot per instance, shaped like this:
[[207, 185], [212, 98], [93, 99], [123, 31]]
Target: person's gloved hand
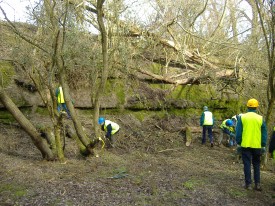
[[263, 150], [108, 136]]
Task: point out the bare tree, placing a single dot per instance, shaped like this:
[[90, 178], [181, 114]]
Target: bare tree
[[267, 21], [180, 43], [38, 141], [48, 49]]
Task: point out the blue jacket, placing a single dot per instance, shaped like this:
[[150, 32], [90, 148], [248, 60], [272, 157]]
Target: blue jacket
[[239, 131], [272, 142]]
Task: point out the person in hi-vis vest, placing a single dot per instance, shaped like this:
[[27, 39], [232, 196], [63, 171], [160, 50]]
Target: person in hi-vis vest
[[251, 137], [228, 133], [110, 128], [61, 105], [207, 122]]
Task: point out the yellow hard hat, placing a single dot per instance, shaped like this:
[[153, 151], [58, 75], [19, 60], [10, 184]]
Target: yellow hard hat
[[252, 103]]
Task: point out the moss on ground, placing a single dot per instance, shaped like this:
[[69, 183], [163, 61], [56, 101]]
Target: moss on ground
[[15, 191], [6, 117], [6, 73]]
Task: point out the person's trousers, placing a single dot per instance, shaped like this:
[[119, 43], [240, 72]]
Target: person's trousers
[[251, 155], [208, 129], [111, 138], [223, 137], [226, 139], [63, 106]]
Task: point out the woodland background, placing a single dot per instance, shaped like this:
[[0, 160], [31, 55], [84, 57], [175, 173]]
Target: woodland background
[[150, 66]]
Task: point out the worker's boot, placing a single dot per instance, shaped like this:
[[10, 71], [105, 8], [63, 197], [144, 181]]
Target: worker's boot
[[258, 187], [248, 187]]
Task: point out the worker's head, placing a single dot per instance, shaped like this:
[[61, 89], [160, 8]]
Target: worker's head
[[101, 120], [252, 103], [229, 123], [205, 108]]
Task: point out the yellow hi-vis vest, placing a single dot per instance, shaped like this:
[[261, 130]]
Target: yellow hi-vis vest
[[223, 125], [115, 126], [60, 97], [208, 118], [252, 135]]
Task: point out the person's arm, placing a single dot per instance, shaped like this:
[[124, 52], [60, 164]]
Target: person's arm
[[226, 131], [239, 131], [109, 131], [56, 92], [202, 119], [271, 147], [264, 134]]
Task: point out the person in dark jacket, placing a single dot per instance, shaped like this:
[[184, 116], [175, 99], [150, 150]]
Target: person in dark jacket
[[271, 148], [251, 135], [207, 122]]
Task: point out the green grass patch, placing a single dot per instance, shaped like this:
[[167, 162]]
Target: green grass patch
[[192, 184], [233, 192], [6, 117], [141, 115], [14, 190], [6, 73], [174, 195], [43, 111]]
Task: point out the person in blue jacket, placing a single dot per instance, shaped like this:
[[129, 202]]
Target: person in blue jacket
[[207, 122], [251, 136], [61, 105], [271, 148], [110, 128], [228, 132]]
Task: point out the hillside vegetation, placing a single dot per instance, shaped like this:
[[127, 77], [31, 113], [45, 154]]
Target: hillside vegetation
[[153, 78]]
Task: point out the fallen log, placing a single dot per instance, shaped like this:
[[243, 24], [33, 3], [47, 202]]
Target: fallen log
[[190, 80], [190, 130], [198, 129]]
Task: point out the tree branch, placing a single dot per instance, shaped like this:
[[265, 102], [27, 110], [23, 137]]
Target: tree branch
[[16, 31]]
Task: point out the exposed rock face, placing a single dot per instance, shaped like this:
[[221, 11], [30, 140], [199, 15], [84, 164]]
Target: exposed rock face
[[140, 97], [25, 94]]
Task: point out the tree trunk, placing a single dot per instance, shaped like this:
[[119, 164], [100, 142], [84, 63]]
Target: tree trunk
[[77, 124], [59, 131], [70, 133], [104, 72], [38, 141], [60, 37]]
